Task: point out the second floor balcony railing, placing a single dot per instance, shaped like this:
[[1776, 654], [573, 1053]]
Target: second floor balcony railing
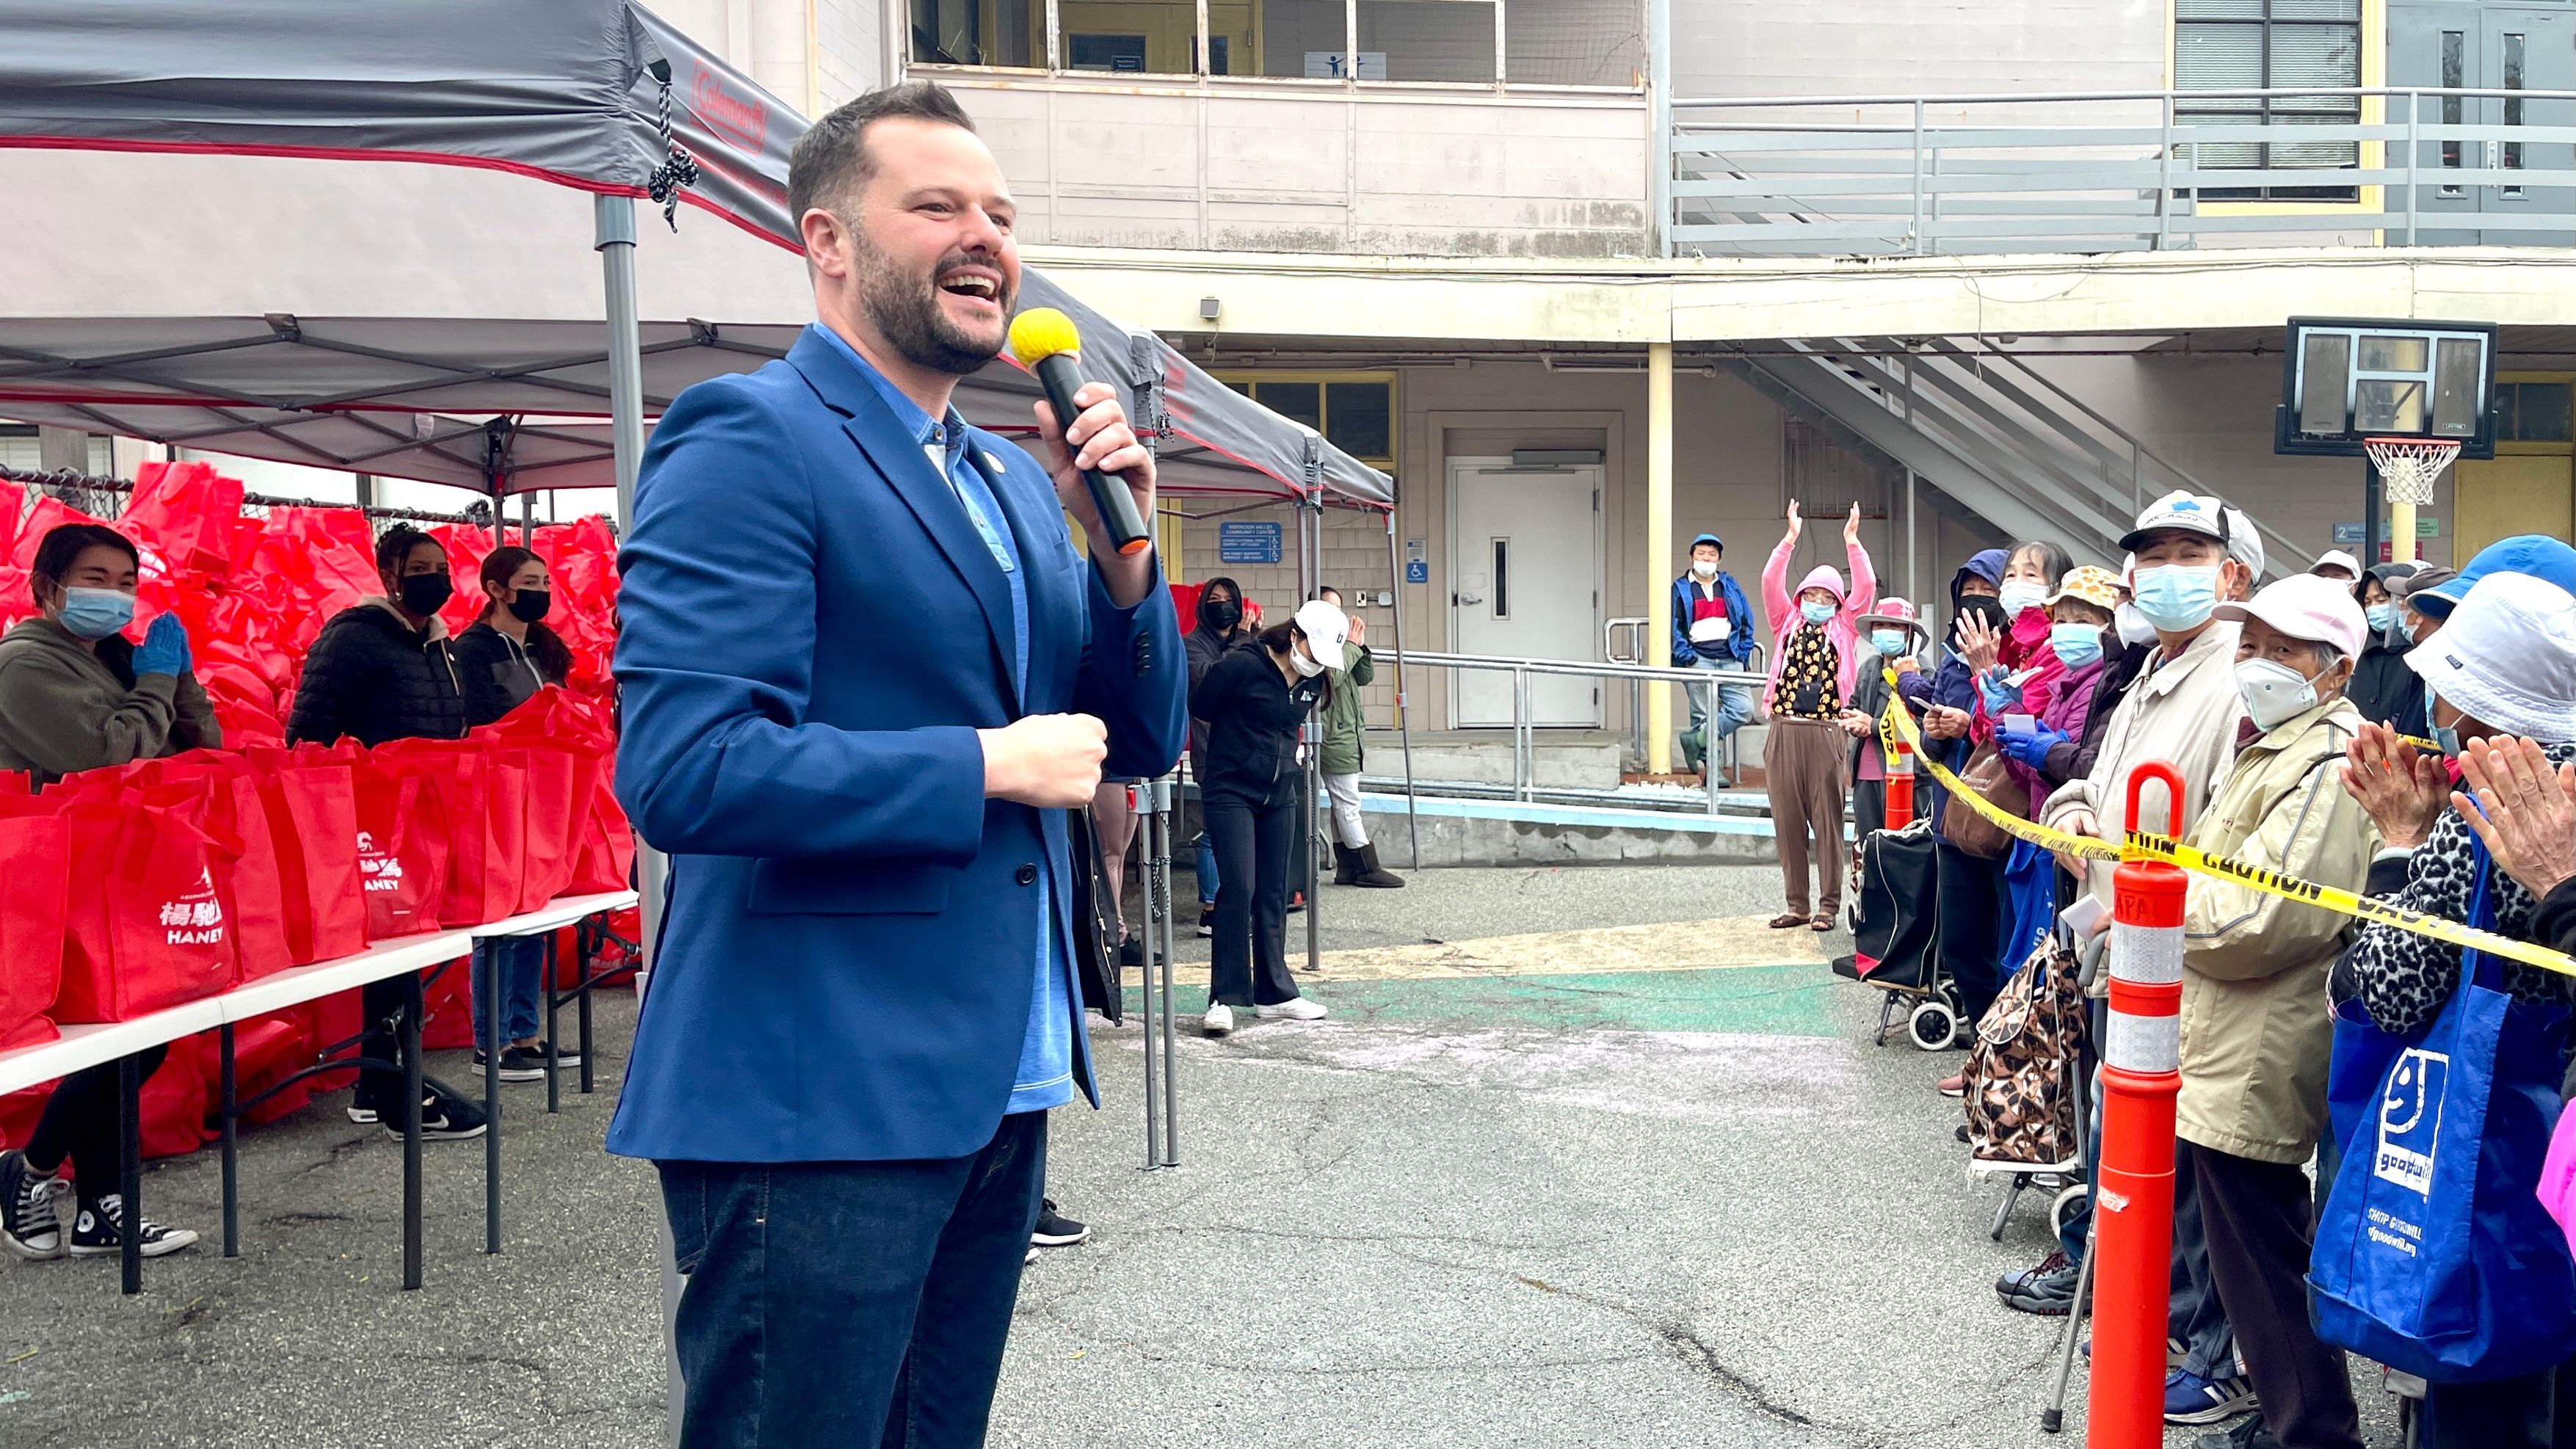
[[2121, 171]]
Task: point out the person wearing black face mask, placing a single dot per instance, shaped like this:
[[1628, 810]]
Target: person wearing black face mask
[[507, 654], [1220, 631], [502, 659], [381, 670]]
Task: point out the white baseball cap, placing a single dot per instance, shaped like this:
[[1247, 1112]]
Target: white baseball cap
[[2183, 510], [2245, 541], [1328, 632], [2335, 558], [2306, 606], [2508, 657]]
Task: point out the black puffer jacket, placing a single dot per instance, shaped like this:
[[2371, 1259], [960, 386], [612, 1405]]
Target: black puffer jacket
[[372, 677]]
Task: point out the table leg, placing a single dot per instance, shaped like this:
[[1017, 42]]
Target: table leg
[[129, 1170], [411, 1129], [554, 1081], [587, 1045], [499, 1039], [232, 1180]]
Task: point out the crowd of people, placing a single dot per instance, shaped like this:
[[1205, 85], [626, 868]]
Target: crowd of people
[[76, 694], [2402, 732]]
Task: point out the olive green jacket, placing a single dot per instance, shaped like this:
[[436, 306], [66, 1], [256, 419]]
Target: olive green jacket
[[1343, 719], [63, 709]]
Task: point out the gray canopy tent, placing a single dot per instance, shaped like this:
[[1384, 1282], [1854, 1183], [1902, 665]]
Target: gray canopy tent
[[597, 95], [387, 323]]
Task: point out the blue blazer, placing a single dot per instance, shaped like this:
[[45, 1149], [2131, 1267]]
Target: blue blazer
[[812, 634]]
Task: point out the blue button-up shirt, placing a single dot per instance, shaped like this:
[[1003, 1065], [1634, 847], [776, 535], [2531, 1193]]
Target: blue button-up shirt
[[1045, 1075]]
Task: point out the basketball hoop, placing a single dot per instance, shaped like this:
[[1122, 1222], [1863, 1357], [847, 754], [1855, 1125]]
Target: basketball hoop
[[2408, 467]]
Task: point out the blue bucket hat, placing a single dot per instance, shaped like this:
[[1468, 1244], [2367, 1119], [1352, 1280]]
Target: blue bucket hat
[[2535, 554]]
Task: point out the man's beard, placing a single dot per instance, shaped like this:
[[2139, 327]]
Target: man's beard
[[905, 312]]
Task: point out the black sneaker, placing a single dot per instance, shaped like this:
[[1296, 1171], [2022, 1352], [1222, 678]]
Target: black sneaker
[[1055, 1230], [94, 1232], [31, 1221], [442, 1117], [564, 1056], [1207, 922], [518, 1064], [1131, 952]]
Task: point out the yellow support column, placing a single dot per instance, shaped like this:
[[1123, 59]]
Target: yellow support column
[[1659, 552]]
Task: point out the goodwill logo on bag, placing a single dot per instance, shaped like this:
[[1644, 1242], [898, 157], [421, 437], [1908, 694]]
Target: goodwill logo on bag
[[2410, 1120], [196, 918], [381, 872]]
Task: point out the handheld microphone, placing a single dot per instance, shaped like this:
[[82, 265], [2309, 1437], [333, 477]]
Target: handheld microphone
[[1046, 343]]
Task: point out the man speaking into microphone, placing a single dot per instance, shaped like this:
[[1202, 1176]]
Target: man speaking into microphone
[[865, 675]]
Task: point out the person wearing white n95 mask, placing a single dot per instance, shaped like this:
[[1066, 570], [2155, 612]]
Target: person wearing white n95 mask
[[2256, 1032]]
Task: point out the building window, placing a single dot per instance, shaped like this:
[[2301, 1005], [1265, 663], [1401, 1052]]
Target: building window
[[1464, 42], [2244, 46], [1355, 411], [2534, 412], [1008, 33]]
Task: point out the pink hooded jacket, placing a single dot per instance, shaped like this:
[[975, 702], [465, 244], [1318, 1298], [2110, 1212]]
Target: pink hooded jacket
[[1842, 631]]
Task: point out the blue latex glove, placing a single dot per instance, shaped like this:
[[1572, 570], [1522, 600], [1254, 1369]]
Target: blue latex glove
[[2001, 694], [2028, 748], [164, 649]]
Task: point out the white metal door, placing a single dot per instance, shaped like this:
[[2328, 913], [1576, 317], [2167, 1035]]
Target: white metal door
[[1525, 561]]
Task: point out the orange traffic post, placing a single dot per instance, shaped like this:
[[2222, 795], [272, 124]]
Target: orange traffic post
[[2141, 1077], [1900, 785]]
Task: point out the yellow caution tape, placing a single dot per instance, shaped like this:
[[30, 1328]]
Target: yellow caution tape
[[1897, 726]]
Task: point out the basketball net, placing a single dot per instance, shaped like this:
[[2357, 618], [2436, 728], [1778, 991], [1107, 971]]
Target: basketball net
[[2408, 467]]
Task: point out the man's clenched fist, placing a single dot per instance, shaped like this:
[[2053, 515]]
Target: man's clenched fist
[[1051, 761]]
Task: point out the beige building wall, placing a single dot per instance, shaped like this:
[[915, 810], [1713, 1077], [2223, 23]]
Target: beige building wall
[[1281, 167]]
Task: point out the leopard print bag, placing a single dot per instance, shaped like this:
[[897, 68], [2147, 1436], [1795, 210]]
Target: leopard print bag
[[2023, 1084]]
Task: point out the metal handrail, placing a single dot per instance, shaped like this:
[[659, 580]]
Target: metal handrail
[[2065, 97], [1523, 727], [1985, 184]]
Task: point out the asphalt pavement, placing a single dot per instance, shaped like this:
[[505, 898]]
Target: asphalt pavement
[[1476, 1206]]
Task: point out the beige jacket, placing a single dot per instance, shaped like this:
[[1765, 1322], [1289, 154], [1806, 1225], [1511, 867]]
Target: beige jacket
[[2182, 711], [62, 709], [2255, 1031]]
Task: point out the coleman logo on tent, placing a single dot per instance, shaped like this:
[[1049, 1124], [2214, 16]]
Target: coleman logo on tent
[[741, 120]]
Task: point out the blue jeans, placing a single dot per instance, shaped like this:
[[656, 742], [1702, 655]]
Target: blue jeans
[[521, 962], [1207, 872], [1734, 702], [850, 1303]]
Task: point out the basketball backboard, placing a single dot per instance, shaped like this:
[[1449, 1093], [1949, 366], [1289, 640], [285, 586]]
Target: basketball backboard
[[2344, 379]]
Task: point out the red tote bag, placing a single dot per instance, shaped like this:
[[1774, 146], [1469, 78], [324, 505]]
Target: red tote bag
[[145, 926], [313, 819], [403, 869], [549, 826], [35, 861], [247, 878], [482, 802]]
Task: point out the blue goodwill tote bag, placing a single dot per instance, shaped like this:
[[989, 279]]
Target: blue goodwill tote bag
[[2434, 1255]]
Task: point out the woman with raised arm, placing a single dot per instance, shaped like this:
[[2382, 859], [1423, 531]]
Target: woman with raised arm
[[1815, 648]]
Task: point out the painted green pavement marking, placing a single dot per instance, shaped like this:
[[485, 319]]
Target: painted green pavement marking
[[1789, 1000]]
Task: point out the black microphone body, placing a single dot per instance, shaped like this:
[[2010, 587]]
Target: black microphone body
[[1059, 374]]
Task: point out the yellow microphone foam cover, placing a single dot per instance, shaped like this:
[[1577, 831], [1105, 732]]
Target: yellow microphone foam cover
[[1042, 332]]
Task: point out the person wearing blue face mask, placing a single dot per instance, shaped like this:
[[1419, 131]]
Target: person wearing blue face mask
[[74, 695], [1894, 636], [2383, 688]]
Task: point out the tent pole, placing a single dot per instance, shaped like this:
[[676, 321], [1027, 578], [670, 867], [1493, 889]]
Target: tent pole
[[1403, 717], [613, 231], [1310, 562]]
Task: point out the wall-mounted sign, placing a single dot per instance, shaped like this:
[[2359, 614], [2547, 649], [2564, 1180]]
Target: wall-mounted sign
[[1247, 543], [1417, 560]]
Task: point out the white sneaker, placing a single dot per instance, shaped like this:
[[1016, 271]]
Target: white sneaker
[[1295, 1008], [1219, 1019]]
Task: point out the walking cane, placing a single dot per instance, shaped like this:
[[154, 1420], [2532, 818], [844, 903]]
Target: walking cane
[[2053, 1418]]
